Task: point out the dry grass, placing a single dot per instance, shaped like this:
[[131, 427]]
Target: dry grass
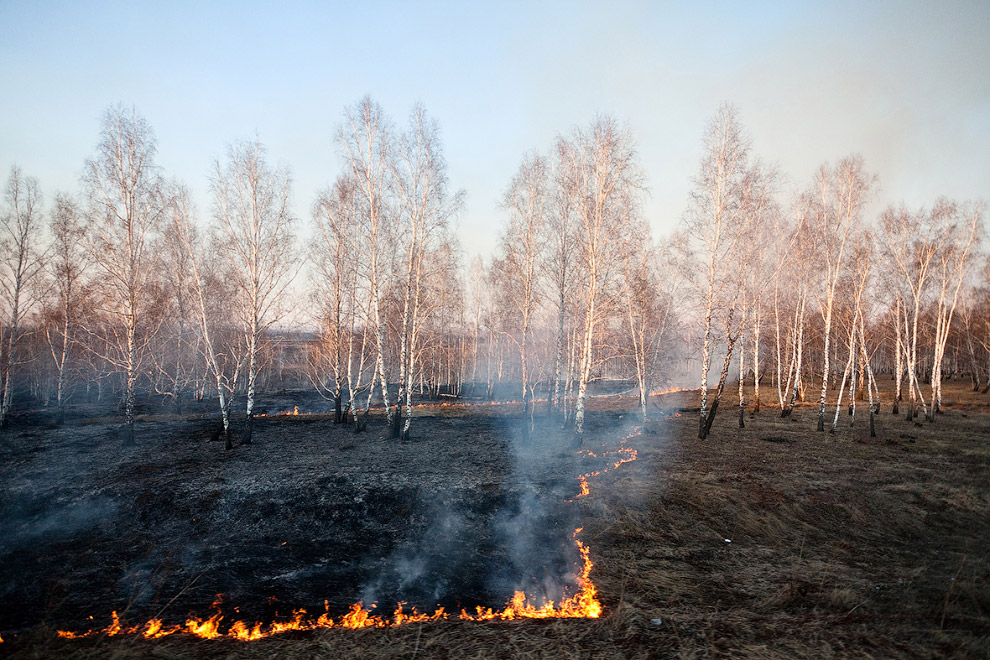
[[771, 541]]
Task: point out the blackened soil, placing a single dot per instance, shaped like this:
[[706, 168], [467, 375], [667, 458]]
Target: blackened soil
[[310, 513]]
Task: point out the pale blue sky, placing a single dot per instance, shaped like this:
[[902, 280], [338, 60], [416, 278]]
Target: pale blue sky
[[904, 83]]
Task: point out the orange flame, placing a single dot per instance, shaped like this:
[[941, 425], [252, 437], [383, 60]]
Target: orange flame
[[628, 455], [582, 604]]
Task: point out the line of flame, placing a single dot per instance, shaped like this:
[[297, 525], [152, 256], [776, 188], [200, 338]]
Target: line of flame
[[583, 604], [629, 455]]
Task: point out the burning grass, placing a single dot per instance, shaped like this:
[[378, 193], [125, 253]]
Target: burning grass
[[810, 545], [583, 604]]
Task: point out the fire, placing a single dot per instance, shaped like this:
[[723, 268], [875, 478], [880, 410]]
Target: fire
[[670, 391], [284, 413], [584, 604], [241, 631], [206, 629], [626, 454], [581, 604], [585, 490]]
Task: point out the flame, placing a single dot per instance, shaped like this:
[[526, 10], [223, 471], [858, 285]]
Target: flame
[[670, 391], [241, 631], [206, 629], [581, 604], [585, 490], [297, 622], [627, 455]]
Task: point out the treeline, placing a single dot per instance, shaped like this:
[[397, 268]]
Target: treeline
[[839, 295], [120, 291]]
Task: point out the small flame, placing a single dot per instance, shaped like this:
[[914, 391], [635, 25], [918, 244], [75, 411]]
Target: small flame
[[206, 629], [583, 604], [241, 631], [628, 455]]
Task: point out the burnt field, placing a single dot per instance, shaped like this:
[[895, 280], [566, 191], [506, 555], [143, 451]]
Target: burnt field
[[768, 541]]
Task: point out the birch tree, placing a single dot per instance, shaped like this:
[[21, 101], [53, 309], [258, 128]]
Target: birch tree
[[757, 267], [525, 201], [716, 224], [858, 278], [174, 353], [333, 253], [559, 265], [841, 192], [127, 207], [603, 180], [795, 280], [960, 233], [366, 139], [425, 208], [648, 294], [21, 260], [252, 212], [912, 246], [66, 267], [223, 346]]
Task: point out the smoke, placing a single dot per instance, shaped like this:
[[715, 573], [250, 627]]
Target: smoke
[[427, 566], [476, 546], [471, 548], [32, 521]]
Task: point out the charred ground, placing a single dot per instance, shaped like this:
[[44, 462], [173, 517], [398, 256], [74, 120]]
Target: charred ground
[[769, 541]]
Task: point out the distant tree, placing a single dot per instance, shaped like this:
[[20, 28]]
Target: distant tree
[[366, 138], [127, 207], [602, 177], [255, 225], [21, 260], [521, 248], [840, 193], [66, 267], [424, 210], [717, 224]]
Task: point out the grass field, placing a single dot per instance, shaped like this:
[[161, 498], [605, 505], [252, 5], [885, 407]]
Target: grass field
[[771, 541]]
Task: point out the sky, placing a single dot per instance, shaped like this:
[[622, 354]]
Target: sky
[[906, 84]]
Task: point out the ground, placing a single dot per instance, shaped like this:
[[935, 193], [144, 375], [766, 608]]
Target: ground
[[768, 541]]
